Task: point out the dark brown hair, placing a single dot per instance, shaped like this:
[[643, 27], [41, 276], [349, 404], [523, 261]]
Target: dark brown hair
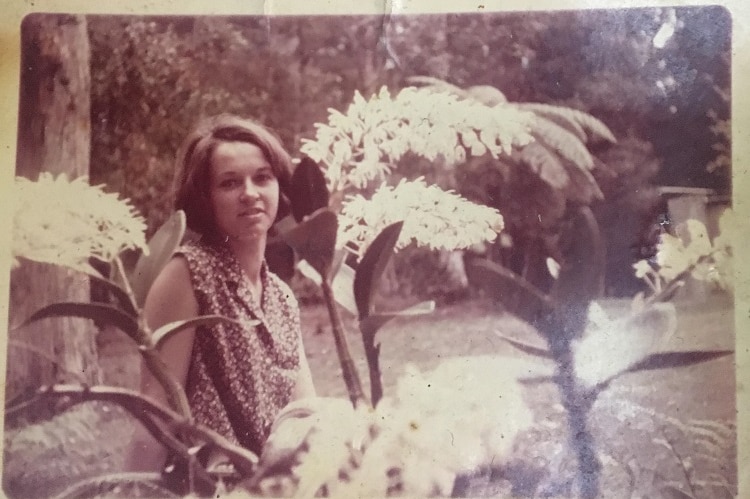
[[193, 178]]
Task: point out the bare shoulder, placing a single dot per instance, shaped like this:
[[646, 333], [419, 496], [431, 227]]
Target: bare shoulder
[[171, 296], [285, 290]]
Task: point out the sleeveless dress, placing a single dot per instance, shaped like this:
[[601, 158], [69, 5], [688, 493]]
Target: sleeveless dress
[[240, 377]]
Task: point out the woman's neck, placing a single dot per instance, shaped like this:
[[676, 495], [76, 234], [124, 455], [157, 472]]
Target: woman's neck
[[250, 254]]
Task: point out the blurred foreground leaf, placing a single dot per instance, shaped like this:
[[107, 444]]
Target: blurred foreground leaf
[[100, 312], [314, 240], [162, 246], [372, 266], [308, 191]]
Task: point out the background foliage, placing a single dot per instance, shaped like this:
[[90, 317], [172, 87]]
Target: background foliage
[[154, 77]]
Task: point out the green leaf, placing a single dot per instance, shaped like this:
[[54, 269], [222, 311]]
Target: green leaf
[[561, 141], [280, 259], [342, 285], [525, 347], [504, 285], [545, 164], [161, 248], [165, 331], [120, 295], [672, 492], [579, 120], [487, 95], [100, 312], [582, 187], [437, 85], [314, 240], [372, 266], [667, 360], [308, 191], [373, 322]]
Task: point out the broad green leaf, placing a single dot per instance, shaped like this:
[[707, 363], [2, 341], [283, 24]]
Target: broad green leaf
[[161, 248], [167, 330], [120, 295], [564, 121], [280, 259], [373, 265], [487, 95], [525, 347], [505, 285], [562, 142], [314, 240], [667, 360], [582, 186], [100, 312], [308, 191], [437, 85], [545, 164], [578, 118], [672, 492], [373, 322], [342, 284], [611, 347]]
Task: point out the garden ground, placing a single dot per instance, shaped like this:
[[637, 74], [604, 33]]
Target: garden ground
[[655, 429]]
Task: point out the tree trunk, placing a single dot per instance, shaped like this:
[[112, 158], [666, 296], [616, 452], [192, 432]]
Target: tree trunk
[[53, 136]]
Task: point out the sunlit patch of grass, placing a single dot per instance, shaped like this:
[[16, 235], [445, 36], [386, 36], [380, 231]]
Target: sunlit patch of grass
[[86, 440]]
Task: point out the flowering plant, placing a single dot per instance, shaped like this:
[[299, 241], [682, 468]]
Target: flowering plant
[[690, 253], [365, 143], [67, 222], [432, 217]]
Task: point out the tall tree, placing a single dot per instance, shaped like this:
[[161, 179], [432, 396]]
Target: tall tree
[[53, 136]]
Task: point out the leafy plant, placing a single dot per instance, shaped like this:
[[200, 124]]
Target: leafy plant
[[691, 253], [579, 335], [100, 229]]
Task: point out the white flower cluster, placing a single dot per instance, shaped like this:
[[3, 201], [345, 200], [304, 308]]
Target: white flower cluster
[[432, 217], [365, 143], [66, 222], [691, 251], [463, 415]]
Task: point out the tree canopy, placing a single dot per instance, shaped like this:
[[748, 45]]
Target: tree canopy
[[153, 77]]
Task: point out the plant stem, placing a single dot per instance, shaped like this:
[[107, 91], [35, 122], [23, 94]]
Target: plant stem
[[172, 388], [372, 352], [577, 406], [351, 377], [125, 282], [559, 329]]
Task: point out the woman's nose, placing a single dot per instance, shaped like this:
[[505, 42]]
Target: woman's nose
[[249, 190]]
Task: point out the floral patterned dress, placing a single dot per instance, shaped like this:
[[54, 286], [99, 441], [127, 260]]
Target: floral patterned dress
[[240, 376]]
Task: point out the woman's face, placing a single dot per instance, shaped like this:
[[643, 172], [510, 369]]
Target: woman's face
[[244, 191]]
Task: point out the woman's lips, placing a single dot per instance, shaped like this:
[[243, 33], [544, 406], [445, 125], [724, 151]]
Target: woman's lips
[[251, 212]]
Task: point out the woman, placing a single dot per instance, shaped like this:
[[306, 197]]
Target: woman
[[232, 174]]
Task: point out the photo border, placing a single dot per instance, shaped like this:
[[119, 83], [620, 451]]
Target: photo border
[[15, 10]]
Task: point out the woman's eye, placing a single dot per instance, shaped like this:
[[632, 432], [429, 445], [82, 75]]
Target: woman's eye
[[230, 183], [264, 178]]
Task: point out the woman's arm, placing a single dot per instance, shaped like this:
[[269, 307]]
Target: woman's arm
[[171, 298], [304, 387]]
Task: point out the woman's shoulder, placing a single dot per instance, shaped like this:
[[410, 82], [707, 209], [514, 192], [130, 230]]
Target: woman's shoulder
[[172, 286], [176, 271], [284, 290], [195, 250], [202, 258]]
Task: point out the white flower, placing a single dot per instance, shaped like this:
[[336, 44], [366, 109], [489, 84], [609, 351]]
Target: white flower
[[432, 217], [642, 269], [365, 143], [66, 222]]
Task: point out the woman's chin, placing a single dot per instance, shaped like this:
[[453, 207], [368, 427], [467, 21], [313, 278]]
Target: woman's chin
[[251, 234]]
